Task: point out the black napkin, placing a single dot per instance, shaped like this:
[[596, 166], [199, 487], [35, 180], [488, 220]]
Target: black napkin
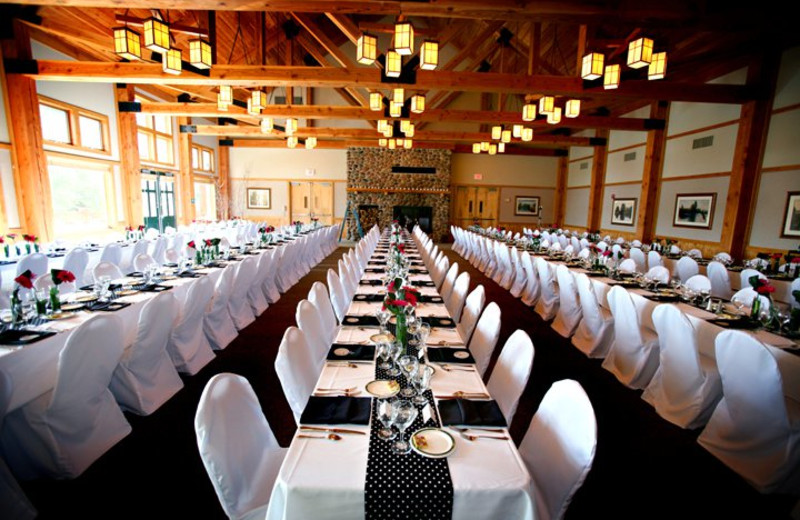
[[426, 283], [153, 288], [372, 298], [22, 337], [7, 262], [448, 355], [370, 282], [594, 273], [442, 323], [741, 323], [189, 274], [106, 306], [374, 270], [55, 255], [136, 274], [170, 265], [662, 297], [111, 287], [336, 410], [418, 271], [361, 321], [377, 262], [626, 284], [470, 413], [357, 352], [424, 298]]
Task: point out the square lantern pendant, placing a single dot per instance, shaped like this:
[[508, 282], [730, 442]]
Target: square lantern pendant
[[225, 94], [493, 149], [611, 77], [291, 126], [220, 105], [375, 101], [527, 134], [501, 147], [291, 141], [156, 35], [429, 55], [127, 43], [398, 95], [399, 141], [476, 148], [516, 131], [404, 124], [388, 131], [546, 104], [200, 54], [407, 144], [253, 111], [484, 146], [554, 117], [573, 108], [259, 99], [506, 136], [404, 38], [382, 124], [395, 109], [392, 144], [394, 64], [418, 103], [171, 61], [267, 125], [640, 53], [497, 132], [658, 67], [592, 66], [529, 112], [311, 143], [382, 143], [411, 130], [366, 49]]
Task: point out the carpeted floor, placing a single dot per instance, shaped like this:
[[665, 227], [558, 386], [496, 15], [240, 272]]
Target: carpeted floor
[[644, 467]]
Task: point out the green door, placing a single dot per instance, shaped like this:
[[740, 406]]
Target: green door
[[158, 200]]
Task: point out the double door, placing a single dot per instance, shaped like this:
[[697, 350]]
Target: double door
[[158, 200], [312, 200], [476, 204]]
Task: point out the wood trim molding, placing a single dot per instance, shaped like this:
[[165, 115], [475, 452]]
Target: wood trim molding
[[704, 129], [398, 190], [560, 202], [787, 108], [690, 177], [785, 168], [5, 146], [285, 179], [579, 159], [622, 183], [533, 187], [581, 187], [629, 147], [652, 175]]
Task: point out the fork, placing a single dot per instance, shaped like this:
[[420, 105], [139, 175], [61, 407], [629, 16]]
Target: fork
[[450, 368], [476, 437], [461, 429]]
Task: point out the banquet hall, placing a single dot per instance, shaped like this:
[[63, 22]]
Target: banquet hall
[[399, 259]]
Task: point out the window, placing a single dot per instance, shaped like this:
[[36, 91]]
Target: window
[[156, 141], [85, 210], [203, 159], [66, 125], [205, 201]]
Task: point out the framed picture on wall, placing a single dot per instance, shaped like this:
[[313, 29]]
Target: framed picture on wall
[[259, 198], [526, 206], [791, 218], [623, 212], [694, 210]]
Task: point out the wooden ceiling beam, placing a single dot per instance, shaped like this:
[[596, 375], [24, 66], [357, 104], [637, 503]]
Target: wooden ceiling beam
[[346, 25], [356, 143]]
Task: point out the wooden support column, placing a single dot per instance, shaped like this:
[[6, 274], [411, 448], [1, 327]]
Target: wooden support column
[[560, 202], [25, 129], [186, 181], [748, 155], [223, 182], [651, 176], [129, 157], [597, 181]]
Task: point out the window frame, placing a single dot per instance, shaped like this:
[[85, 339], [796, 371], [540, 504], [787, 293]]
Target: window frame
[[199, 168], [153, 137], [74, 113]]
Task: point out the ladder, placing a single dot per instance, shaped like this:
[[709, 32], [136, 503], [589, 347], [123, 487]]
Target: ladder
[[348, 214]]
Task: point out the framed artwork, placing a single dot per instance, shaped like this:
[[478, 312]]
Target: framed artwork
[[791, 216], [623, 212], [694, 210], [259, 198], [526, 206]]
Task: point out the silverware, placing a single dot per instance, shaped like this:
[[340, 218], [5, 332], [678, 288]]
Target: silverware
[[336, 393], [476, 437], [456, 368], [330, 437], [460, 429], [351, 389], [332, 430]]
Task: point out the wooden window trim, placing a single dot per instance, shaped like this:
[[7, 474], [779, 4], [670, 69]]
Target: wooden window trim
[[200, 149], [73, 114], [155, 134]]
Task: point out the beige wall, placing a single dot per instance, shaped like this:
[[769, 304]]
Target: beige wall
[[507, 205], [576, 209], [504, 170]]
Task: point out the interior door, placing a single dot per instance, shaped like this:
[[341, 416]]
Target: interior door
[[301, 201], [322, 202], [158, 200]]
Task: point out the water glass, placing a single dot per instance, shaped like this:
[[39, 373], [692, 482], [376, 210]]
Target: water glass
[[422, 381], [395, 351], [384, 353], [409, 365], [41, 302], [386, 410], [404, 415]]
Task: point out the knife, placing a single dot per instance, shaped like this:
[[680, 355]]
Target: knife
[[332, 430]]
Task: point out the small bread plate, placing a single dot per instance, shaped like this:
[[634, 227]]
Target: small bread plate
[[351, 320], [127, 292], [382, 389], [381, 338], [433, 442], [86, 298], [445, 321], [461, 354], [342, 351], [60, 316]]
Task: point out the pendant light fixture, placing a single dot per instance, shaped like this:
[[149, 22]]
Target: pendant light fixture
[[311, 143], [546, 104], [418, 103], [554, 117], [640, 53], [573, 108], [658, 66], [200, 54], [529, 112], [394, 64], [497, 132], [375, 101], [127, 43], [366, 49], [291, 141], [592, 66], [291, 126], [225, 96], [267, 125], [171, 61], [611, 77], [476, 148], [404, 38], [429, 55], [156, 35]]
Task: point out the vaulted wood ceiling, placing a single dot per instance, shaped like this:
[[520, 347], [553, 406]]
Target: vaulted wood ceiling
[[511, 44]]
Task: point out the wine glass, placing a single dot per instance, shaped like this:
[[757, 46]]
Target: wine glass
[[424, 333], [412, 325], [422, 381], [105, 283], [404, 415], [386, 411], [409, 365], [383, 318], [395, 351], [383, 350]]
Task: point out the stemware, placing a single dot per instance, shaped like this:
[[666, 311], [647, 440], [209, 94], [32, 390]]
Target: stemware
[[384, 354], [412, 325], [424, 333], [395, 351], [422, 381], [409, 365], [104, 284], [404, 414], [386, 410], [383, 318]]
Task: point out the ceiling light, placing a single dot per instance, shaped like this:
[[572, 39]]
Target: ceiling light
[[200, 54], [611, 77], [484, 146], [492, 149], [572, 108], [516, 131], [404, 38], [407, 144], [527, 134], [156, 35], [375, 101], [259, 99], [394, 64], [382, 143], [171, 61], [497, 132], [529, 112], [476, 147], [127, 43], [658, 66], [418, 103], [311, 143], [505, 136], [395, 109], [291, 141], [291, 126], [592, 66], [546, 104], [411, 130], [404, 125], [501, 147], [554, 117], [398, 95], [253, 111], [640, 53], [266, 125], [225, 95], [392, 144], [366, 49], [429, 55]]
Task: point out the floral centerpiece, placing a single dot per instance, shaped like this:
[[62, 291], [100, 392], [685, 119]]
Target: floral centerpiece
[[315, 222], [765, 289], [400, 301], [31, 243], [59, 276], [297, 225], [266, 233], [24, 281]]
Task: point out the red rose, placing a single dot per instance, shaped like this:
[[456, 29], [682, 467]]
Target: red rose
[[208, 243], [60, 276], [776, 256], [191, 245], [765, 289], [796, 260], [141, 228], [25, 279], [12, 236], [2, 240], [390, 287], [411, 298]]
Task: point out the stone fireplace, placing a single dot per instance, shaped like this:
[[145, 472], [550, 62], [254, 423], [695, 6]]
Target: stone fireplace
[[409, 185]]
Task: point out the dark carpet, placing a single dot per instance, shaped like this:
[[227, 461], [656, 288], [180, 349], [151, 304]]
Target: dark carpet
[[644, 467]]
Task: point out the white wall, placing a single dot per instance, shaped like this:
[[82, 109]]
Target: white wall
[[9, 191], [4, 130], [576, 209]]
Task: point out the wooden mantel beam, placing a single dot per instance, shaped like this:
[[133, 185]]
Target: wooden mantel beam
[[282, 76]]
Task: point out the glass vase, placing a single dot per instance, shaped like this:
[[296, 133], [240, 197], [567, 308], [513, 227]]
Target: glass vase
[[755, 309], [55, 301], [401, 330]]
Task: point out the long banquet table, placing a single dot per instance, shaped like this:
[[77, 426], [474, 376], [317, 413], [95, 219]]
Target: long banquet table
[[324, 479]]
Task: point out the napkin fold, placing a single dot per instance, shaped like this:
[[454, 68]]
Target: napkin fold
[[22, 337], [425, 283], [356, 352], [418, 271], [425, 298], [448, 355], [742, 323], [336, 410], [374, 270], [361, 321], [106, 306], [464, 412]]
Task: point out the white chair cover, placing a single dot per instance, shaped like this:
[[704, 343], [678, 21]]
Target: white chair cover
[[145, 377], [531, 293], [472, 311], [139, 248], [217, 322], [449, 280], [142, 261], [720, 280], [569, 310], [296, 370], [35, 262], [627, 266], [189, 346], [455, 303], [255, 293], [698, 283], [45, 282], [755, 429], [654, 259], [159, 248], [696, 254], [112, 253], [13, 501], [547, 306], [318, 295], [62, 432], [239, 450], [308, 321], [686, 386], [659, 273], [746, 274], [595, 332], [637, 255], [559, 447], [748, 295], [636, 243], [485, 337], [511, 373], [686, 268], [106, 269], [338, 299], [270, 286], [633, 356], [239, 304], [519, 279], [674, 250], [76, 262], [171, 256]]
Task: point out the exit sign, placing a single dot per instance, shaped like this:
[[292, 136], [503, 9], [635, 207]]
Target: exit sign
[[477, 176]]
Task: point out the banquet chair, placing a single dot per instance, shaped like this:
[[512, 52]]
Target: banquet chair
[[602, 245], [530, 295], [441, 267], [686, 386], [338, 299], [106, 269], [519, 279], [698, 283], [13, 501], [142, 261], [511, 373], [76, 262], [318, 295], [505, 275], [255, 292], [748, 295], [473, 307], [45, 282], [171, 256], [674, 250], [637, 255], [139, 248], [547, 306], [239, 304], [559, 447], [63, 431], [746, 274], [595, 332], [755, 428], [627, 266], [112, 253], [270, 287], [723, 258], [348, 282], [308, 321], [720, 280], [659, 273], [569, 309], [795, 287], [695, 253], [159, 248], [35, 262], [217, 321], [189, 346], [686, 268], [237, 446], [484, 338], [296, 370], [633, 356], [455, 303], [654, 259], [449, 280], [585, 253], [145, 377]]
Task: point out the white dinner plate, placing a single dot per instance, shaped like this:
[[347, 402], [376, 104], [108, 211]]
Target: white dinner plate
[[382, 389], [461, 354], [381, 338], [433, 442]]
